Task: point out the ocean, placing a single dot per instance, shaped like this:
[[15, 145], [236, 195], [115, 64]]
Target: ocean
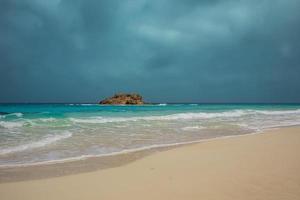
[[33, 134]]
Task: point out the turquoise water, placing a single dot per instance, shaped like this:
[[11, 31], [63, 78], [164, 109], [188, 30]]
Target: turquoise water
[[42, 133]]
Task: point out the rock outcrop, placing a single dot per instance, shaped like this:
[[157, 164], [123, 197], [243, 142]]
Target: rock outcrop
[[124, 99]]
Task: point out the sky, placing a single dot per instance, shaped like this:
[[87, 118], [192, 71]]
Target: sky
[[167, 50]]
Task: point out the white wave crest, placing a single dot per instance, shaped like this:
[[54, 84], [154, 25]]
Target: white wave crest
[[184, 116], [41, 143], [278, 112], [12, 114], [15, 114], [96, 120], [203, 115], [50, 119], [192, 128], [11, 125], [180, 116]]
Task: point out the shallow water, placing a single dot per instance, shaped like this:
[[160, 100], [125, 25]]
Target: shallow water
[[35, 133]]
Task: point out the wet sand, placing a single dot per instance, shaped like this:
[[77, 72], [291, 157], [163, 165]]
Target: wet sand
[[261, 166]]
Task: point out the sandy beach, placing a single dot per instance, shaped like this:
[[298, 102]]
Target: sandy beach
[[149, 100], [261, 166]]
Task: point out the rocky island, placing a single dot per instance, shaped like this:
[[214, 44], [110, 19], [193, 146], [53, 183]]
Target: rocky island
[[124, 99]]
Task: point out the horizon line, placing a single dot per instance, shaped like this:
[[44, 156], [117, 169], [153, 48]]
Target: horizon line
[[154, 103]]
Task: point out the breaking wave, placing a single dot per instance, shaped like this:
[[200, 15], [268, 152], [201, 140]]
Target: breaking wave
[[4, 114], [203, 115], [15, 114], [162, 104], [11, 125], [192, 128], [37, 144], [278, 112]]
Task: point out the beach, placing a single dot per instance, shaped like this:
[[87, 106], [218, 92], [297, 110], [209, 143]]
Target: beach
[[255, 166], [149, 100]]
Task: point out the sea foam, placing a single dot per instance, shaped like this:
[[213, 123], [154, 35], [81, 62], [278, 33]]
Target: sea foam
[[11, 114], [192, 128], [37, 144], [11, 125], [125, 129], [179, 116], [278, 112]]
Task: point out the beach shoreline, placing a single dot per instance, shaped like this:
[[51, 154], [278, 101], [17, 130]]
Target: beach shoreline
[[256, 166], [57, 140], [93, 163]]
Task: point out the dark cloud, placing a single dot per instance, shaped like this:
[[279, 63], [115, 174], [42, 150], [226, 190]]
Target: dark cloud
[[201, 51]]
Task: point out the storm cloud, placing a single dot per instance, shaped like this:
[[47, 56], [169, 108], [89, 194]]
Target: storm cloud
[[167, 50]]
